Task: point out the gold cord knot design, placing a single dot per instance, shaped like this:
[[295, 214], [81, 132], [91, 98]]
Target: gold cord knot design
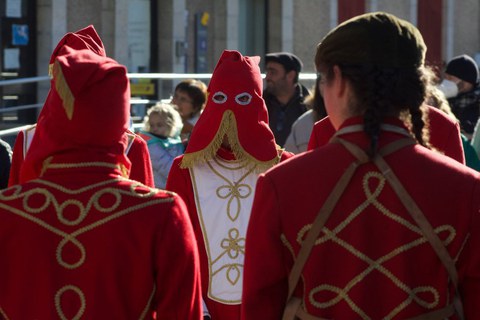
[[429, 295]]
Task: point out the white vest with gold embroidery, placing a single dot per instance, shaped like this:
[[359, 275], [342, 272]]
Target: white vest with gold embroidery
[[224, 193]]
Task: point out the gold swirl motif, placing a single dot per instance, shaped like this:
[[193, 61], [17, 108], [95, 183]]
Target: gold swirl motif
[[116, 195], [233, 272], [31, 214], [58, 302], [82, 213], [10, 193], [378, 264], [233, 191], [35, 192], [76, 243], [234, 245]]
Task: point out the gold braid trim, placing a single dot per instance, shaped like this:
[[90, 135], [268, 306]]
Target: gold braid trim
[[149, 304], [50, 70], [63, 90], [228, 127], [2, 313], [45, 165], [48, 165], [81, 297]]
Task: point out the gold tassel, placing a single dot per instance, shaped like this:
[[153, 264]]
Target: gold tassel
[[228, 127], [50, 70], [124, 170], [190, 159], [63, 90]]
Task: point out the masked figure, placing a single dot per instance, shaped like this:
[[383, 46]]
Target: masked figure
[[230, 145]]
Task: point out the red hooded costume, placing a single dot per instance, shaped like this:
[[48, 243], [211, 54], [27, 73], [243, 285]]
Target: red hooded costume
[[217, 180], [235, 108], [136, 150], [80, 240]]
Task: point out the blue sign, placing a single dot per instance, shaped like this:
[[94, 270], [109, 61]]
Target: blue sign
[[201, 35], [20, 34]]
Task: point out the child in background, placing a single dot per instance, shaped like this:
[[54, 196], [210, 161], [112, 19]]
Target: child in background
[[162, 127]]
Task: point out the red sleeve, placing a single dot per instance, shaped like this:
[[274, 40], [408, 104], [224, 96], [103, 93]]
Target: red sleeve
[[322, 132], [141, 164], [455, 150], [178, 291], [286, 155], [17, 160], [469, 263], [445, 134], [265, 279], [178, 181]]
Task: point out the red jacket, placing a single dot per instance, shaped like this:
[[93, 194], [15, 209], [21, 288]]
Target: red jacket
[[85, 243], [444, 134], [137, 153], [371, 261]]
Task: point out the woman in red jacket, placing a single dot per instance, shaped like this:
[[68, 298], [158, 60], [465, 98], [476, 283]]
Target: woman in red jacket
[[373, 225]]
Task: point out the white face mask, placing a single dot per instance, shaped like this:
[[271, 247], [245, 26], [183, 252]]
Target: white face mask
[[449, 88]]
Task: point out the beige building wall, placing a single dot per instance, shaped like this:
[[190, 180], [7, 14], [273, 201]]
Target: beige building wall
[[314, 19], [312, 23], [466, 27], [296, 25]]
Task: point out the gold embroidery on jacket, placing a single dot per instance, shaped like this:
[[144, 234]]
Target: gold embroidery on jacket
[[58, 301], [416, 294], [46, 199], [233, 246], [233, 190]]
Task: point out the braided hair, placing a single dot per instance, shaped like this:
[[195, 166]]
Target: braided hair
[[381, 92]]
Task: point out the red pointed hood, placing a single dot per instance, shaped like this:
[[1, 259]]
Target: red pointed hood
[[87, 108], [235, 108]]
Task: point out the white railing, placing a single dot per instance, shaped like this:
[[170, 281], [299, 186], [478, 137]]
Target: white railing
[[307, 77]]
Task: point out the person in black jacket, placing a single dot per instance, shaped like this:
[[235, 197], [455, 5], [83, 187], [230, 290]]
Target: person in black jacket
[[284, 95], [5, 162], [463, 71]]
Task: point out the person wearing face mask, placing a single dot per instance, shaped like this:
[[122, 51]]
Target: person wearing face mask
[[461, 87]]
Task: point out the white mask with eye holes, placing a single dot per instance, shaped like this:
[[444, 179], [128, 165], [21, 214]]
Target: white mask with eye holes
[[243, 98], [449, 88]]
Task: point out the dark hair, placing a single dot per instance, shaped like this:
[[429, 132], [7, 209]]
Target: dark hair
[[289, 61], [381, 92], [196, 90], [316, 103]]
